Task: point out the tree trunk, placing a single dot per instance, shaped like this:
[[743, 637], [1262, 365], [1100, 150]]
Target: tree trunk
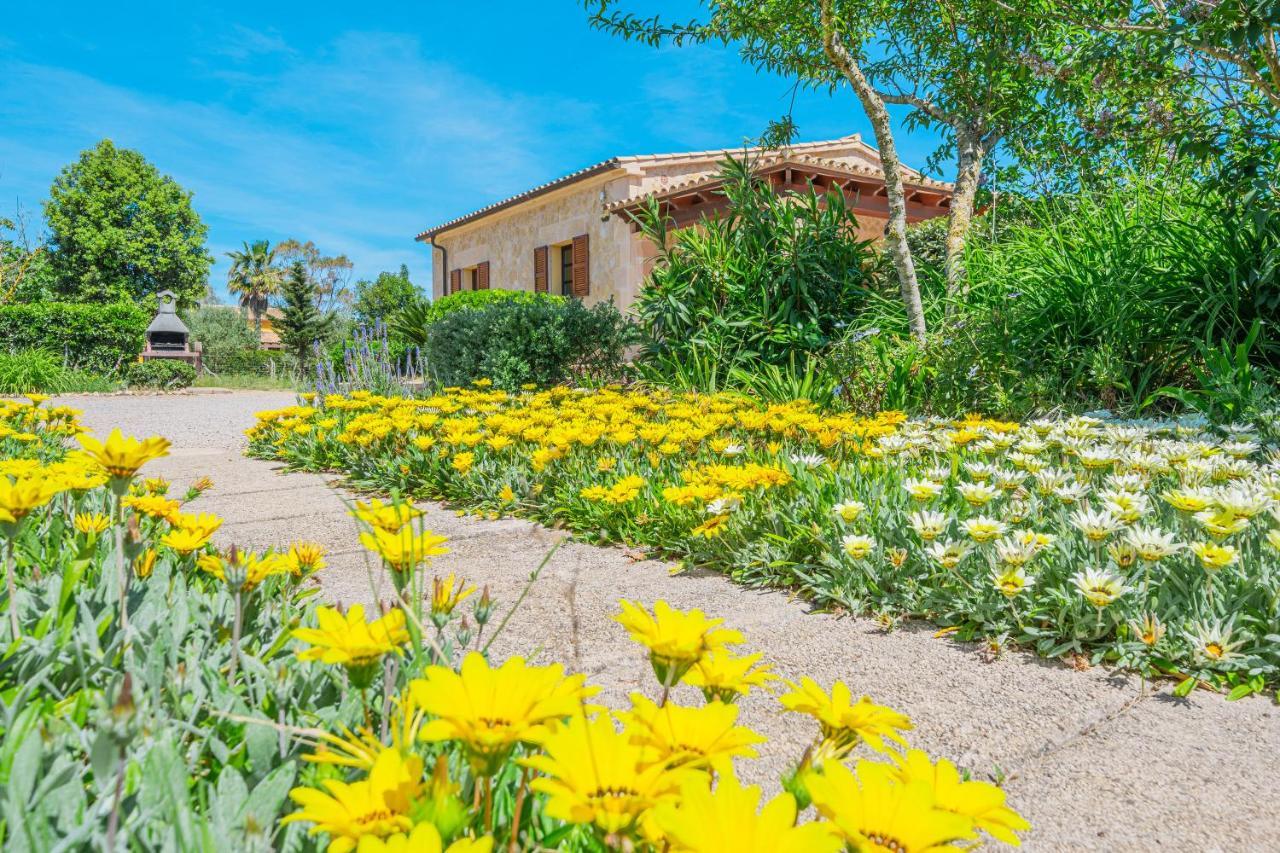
[[895, 240], [970, 156]]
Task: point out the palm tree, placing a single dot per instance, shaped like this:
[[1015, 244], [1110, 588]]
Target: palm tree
[[254, 277]]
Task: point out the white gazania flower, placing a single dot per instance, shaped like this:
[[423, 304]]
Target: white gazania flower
[[922, 490], [849, 510], [1010, 582], [808, 460], [1015, 551], [857, 545], [1243, 500], [1240, 449], [1032, 446], [720, 506], [983, 528], [937, 473], [928, 525], [1026, 462], [977, 494], [948, 554], [980, 471], [1212, 643], [1007, 480], [733, 450], [1034, 539], [1153, 544], [1097, 458], [1273, 538], [1122, 553], [1231, 469], [1050, 480], [1096, 525], [1099, 587], [1127, 507], [1133, 483], [1071, 493]]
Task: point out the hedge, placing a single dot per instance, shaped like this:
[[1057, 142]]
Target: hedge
[[93, 337]]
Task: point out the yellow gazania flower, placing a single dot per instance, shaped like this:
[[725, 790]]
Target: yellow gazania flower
[[848, 511], [305, 558], [1222, 523], [491, 710], [1273, 538], [92, 524], [447, 593], [144, 563], [19, 497], [676, 640], [844, 722], [983, 528], [722, 675], [122, 457], [377, 806], [424, 838], [857, 546], [389, 517], [255, 567], [1214, 556], [981, 802], [155, 486], [876, 813], [591, 774], [1149, 631], [507, 494], [712, 527], [206, 523], [701, 821], [404, 549], [462, 462], [922, 490], [349, 640], [156, 506], [677, 736], [186, 540]]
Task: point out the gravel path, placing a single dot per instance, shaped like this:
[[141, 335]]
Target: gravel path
[[1092, 763]]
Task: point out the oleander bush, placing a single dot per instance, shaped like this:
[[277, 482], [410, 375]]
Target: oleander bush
[[97, 338], [160, 374], [160, 693], [1152, 545]]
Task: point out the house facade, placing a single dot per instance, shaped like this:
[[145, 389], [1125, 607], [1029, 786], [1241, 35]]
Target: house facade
[[576, 235]]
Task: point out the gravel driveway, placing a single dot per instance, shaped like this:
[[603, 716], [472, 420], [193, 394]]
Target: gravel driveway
[[1093, 764]]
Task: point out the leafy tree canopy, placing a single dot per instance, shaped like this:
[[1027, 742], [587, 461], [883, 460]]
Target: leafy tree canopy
[[380, 299], [120, 230]]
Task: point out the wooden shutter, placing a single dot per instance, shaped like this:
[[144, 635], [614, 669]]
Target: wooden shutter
[[482, 276], [540, 269], [455, 281], [581, 267]]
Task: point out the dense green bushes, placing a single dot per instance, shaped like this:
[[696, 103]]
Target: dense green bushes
[[773, 280], [93, 337], [162, 374], [409, 326], [31, 371], [514, 342]]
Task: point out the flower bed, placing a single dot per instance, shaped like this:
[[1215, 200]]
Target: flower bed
[[1149, 546], [157, 693]]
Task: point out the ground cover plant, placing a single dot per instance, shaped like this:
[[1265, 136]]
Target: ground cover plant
[[158, 693], [1154, 546]]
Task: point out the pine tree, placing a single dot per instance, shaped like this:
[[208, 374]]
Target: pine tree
[[301, 323]]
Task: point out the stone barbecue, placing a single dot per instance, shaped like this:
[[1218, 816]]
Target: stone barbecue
[[168, 336]]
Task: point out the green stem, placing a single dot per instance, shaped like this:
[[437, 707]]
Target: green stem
[[12, 587]]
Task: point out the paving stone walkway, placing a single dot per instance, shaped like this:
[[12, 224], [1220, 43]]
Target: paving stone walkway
[[1092, 763]]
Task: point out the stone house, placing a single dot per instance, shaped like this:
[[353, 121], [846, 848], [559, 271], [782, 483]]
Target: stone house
[[575, 235]]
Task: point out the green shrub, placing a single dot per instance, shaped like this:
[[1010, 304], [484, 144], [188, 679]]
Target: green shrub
[[92, 337], [410, 324], [518, 342], [165, 374], [772, 281]]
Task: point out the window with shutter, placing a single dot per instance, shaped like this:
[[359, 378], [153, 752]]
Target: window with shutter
[[482, 276], [540, 269], [455, 281], [581, 267]]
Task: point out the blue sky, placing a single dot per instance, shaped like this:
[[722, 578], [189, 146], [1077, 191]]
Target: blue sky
[[359, 125]]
